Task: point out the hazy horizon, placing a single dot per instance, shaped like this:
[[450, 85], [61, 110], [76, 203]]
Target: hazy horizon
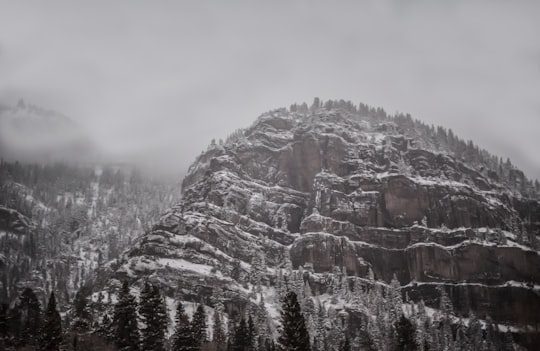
[[162, 79]]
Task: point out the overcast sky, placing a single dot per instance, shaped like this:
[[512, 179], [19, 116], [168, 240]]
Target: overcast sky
[[168, 76]]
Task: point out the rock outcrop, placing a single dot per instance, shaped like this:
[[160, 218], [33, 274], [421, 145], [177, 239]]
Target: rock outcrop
[[331, 189]]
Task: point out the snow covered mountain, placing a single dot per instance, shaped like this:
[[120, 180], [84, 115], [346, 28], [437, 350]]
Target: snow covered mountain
[[349, 206]]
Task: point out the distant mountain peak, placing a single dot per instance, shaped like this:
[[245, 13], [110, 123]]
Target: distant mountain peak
[[32, 133]]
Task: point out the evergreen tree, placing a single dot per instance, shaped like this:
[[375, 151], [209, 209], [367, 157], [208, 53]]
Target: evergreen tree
[[126, 331], [183, 339], [154, 315], [445, 307], [198, 325], [252, 334], [51, 332], [219, 338], [293, 333], [105, 328], [320, 338], [422, 326], [474, 333], [14, 324], [460, 342], [4, 336], [231, 329], [406, 334], [30, 317], [81, 312], [241, 337], [345, 345], [262, 322]]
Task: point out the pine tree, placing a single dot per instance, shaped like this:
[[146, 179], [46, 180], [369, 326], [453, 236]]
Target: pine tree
[[293, 333], [394, 311], [231, 329], [183, 339], [320, 338], [4, 326], [104, 329], [460, 342], [252, 335], [198, 325], [241, 337], [262, 322], [445, 306], [474, 333], [405, 334], [14, 324], [345, 345], [126, 331], [30, 317], [51, 332], [154, 315], [81, 313], [219, 338], [422, 325]]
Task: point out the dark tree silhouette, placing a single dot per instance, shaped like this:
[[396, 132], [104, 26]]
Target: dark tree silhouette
[[218, 337], [51, 332], [198, 325], [126, 331], [154, 315], [406, 334], [293, 333], [183, 339], [242, 340], [30, 314]]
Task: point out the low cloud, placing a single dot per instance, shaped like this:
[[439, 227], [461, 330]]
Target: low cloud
[[164, 79]]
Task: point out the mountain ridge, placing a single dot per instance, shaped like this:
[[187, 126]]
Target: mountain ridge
[[317, 194]]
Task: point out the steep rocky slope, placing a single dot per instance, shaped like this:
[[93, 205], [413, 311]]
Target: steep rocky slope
[[60, 223], [334, 193]]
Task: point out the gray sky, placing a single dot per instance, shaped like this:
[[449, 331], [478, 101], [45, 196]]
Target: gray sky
[[150, 76]]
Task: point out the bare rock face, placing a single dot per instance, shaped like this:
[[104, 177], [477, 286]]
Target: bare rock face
[[324, 190]]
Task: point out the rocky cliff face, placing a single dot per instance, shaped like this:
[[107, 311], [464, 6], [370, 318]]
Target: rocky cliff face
[[330, 189]]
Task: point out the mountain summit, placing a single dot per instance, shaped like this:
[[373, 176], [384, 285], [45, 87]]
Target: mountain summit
[[343, 204]]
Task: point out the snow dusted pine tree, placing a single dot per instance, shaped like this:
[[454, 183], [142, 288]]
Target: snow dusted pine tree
[[262, 322], [445, 308], [198, 325], [183, 339], [422, 322], [475, 334], [242, 340], [293, 333], [219, 339], [154, 316], [394, 303], [252, 335], [126, 333]]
